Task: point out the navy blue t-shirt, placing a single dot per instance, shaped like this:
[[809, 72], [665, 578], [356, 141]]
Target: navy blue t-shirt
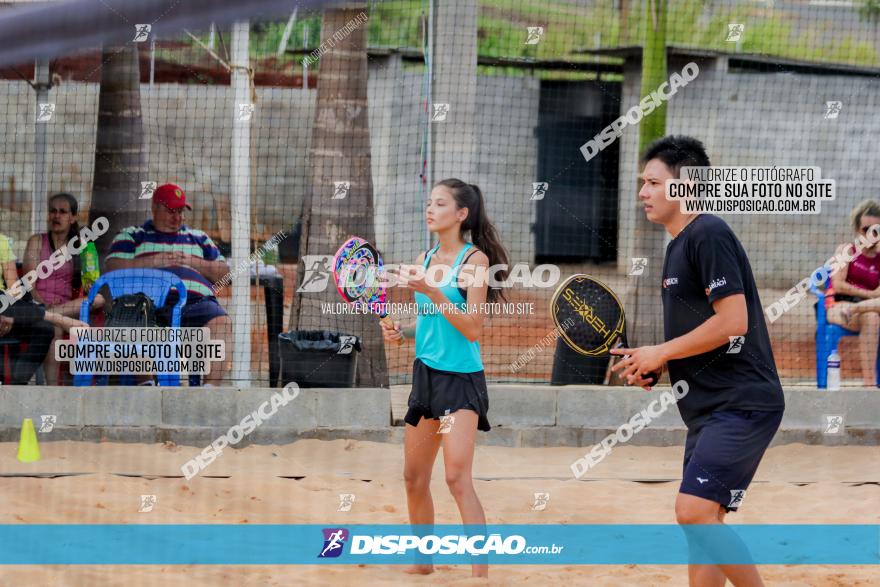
[[704, 263]]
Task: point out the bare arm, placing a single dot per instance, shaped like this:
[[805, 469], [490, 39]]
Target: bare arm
[[10, 274], [212, 270], [469, 324], [29, 263], [64, 322], [31, 253], [731, 318], [146, 262], [408, 330]]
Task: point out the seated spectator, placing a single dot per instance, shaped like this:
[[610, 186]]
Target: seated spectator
[[856, 292], [61, 292], [26, 322], [30, 323], [166, 243]]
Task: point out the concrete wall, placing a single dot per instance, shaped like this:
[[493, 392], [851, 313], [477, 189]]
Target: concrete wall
[[743, 118], [521, 415], [188, 131], [765, 119], [191, 416]]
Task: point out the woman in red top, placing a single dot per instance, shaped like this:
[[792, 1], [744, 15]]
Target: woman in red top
[[857, 292]]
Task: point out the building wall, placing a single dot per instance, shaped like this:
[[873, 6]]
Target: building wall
[[188, 135], [744, 119], [757, 119]]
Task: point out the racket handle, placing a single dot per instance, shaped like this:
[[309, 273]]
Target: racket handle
[[387, 321], [653, 377]]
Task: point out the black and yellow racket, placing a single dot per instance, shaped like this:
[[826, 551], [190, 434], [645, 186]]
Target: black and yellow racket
[[590, 318]]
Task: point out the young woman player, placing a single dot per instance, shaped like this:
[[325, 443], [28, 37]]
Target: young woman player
[[449, 399]]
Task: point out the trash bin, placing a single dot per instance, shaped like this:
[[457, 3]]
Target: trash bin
[[318, 358], [572, 368]]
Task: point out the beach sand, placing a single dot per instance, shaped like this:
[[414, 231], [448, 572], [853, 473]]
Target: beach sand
[[300, 483]]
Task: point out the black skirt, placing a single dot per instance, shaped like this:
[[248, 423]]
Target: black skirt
[[437, 393]]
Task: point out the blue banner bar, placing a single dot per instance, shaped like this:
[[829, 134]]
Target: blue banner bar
[[224, 544]]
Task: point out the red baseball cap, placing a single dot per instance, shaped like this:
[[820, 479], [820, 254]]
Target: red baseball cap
[[171, 196]]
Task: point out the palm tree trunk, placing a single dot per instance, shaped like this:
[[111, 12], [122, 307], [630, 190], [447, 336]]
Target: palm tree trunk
[[120, 158], [340, 151]]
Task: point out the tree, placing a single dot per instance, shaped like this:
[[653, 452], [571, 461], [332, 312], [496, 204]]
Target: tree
[[645, 314], [340, 152], [120, 159], [870, 11]]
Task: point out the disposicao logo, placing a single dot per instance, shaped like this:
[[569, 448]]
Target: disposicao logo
[[334, 542]]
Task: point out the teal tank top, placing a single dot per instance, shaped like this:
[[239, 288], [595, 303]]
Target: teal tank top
[[439, 344]]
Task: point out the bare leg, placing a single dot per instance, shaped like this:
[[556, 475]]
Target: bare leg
[[868, 336], [50, 365], [690, 509], [421, 444], [869, 305], [221, 328], [843, 314], [458, 454], [70, 308]]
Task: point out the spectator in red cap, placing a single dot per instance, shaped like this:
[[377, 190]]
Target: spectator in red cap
[[166, 242]]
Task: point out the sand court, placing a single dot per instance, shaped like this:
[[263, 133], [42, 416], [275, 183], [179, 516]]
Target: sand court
[[301, 483]]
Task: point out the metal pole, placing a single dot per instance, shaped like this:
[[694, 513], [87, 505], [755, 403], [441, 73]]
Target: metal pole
[[152, 60], [240, 205], [430, 62], [306, 58], [282, 46], [41, 183]]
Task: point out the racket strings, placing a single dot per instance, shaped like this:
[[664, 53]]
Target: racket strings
[[593, 313]]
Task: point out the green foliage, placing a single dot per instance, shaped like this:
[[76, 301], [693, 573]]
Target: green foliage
[[654, 69], [870, 11], [502, 29]]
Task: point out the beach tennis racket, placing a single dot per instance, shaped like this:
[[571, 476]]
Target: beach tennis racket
[[590, 318], [358, 271]]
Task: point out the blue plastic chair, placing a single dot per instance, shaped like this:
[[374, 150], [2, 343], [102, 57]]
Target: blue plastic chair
[[155, 284], [827, 334]]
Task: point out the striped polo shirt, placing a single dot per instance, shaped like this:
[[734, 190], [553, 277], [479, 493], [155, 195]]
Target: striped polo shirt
[[135, 242]]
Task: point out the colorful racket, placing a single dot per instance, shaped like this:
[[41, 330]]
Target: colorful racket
[[590, 318], [358, 271]]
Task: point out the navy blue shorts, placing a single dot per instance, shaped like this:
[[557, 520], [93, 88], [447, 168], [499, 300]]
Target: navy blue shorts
[[722, 454], [197, 312]]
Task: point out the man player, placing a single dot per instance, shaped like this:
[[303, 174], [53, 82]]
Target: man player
[[717, 341]]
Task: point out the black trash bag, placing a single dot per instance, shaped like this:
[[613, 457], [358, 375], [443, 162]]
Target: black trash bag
[[322, 341], [318, 358]]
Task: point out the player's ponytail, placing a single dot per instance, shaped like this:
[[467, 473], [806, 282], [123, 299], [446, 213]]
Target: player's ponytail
[[482, 231]]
